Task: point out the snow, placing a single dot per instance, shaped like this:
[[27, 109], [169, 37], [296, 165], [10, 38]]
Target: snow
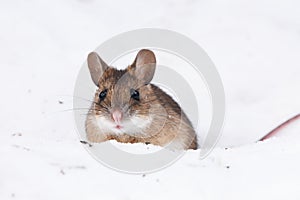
[[254, 45]]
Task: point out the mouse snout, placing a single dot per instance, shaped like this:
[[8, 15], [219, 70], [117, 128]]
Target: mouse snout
[[117, 116]]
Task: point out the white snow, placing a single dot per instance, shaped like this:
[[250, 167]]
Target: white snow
[[255, 46]]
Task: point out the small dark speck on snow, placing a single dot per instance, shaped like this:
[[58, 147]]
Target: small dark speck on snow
[[18, 147], [85, 142], [17, 134], [60, 102]]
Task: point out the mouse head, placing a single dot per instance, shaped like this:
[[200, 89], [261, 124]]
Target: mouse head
[[124, 97]]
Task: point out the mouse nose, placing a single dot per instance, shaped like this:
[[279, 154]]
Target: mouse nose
[[117, 116]]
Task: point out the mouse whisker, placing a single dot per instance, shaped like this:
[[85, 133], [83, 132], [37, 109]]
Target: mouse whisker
[[74, 109], [104, 107], [171, 120], [81, 98], [84, 114], [79, 109]]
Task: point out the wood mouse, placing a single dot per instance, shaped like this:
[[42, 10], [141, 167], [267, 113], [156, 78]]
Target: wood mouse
[[129, 109]]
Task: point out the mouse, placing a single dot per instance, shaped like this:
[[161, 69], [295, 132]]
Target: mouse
[[128, 108]]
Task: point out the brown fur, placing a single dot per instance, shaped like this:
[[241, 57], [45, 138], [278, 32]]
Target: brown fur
[[169, 122]]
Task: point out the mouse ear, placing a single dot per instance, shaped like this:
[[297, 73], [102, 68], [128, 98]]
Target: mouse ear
[[144, 65], [96, 66]]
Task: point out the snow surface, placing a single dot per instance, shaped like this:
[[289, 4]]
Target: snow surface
[[255, 46]]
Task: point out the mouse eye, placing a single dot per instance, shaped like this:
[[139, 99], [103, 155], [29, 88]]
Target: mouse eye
[[102, 94], [135, 94]]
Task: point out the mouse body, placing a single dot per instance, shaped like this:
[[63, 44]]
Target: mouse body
[[129, 109]]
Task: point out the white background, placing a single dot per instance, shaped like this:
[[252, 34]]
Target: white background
[[255, 45]]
